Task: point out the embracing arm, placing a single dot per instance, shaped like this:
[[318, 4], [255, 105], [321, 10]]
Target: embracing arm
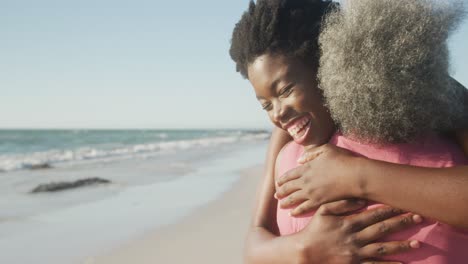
[[329, 237], [462, 139], [331, 173], [263, 244], [462, 134], [436, 193], [265, 210]]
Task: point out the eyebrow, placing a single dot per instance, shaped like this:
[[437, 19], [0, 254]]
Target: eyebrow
[[272, 87]]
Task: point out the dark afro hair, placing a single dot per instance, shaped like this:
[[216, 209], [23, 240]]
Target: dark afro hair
[[286, 27]]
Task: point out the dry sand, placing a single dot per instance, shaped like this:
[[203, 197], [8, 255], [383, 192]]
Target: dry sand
[[214, 233]]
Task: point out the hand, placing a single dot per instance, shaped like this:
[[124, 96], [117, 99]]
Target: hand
[[327, 175], [336, 239]]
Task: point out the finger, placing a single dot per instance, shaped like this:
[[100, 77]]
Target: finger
[[287, 189], [304, 208], [293, 199], [372, 216], [381, 262], [341, 207], [386, 227], [288, 176], [309, 156], [377, 250]]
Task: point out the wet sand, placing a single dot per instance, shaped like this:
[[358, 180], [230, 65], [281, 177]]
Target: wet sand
[[214, 233]]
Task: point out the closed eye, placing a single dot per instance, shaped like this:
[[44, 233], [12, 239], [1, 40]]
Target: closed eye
[[286, 90], [266, 106]]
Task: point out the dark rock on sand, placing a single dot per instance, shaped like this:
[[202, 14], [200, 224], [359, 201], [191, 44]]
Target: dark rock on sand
[[40, 166], [260, 131], [60, 186]]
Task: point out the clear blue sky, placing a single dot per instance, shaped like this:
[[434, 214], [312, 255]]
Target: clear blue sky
[[131, 64]]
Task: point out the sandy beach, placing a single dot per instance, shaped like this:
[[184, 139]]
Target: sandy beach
[[186, 198], [215, 233]]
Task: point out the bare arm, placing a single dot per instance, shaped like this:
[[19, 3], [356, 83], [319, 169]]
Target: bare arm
[[462, 139], [436, 193], [333, 174], [265, 210], [462, 134], [328, 236], [263, 245]]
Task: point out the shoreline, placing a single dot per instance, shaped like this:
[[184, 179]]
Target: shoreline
[[213, 233], [148, 196]]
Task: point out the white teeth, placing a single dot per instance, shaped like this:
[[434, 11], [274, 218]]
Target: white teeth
[[294, 130]]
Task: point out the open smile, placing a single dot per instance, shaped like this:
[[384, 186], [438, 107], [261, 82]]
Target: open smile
[[299, 128]]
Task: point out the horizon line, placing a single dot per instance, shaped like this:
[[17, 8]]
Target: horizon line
[[134, 128]]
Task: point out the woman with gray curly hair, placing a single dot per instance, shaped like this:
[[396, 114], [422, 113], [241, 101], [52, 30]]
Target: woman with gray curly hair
[[385, 69], [384, 76], [398, 50]]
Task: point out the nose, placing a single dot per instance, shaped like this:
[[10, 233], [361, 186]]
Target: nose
[[278, 113]]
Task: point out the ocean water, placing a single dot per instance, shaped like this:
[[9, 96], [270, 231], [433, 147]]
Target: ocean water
[[24, 149], [157, 177]]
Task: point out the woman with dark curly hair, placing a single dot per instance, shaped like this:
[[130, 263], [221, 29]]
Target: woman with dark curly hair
[[386, 105]]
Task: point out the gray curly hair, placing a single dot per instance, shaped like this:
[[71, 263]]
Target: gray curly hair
[[384, 69]]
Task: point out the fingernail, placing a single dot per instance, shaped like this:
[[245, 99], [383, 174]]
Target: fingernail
[[300, 160], [289, 213], [276, 196], [417, 219], [414, 244]]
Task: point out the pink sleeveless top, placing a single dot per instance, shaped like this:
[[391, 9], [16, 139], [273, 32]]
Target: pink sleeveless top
[[440, 243]]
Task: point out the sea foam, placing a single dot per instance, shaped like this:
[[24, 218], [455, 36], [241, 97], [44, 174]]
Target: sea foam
[[117, 151]]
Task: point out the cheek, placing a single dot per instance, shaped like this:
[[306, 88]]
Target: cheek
[[313, 104], [324, 118], [270, 116], [311, 100], [301, 103]]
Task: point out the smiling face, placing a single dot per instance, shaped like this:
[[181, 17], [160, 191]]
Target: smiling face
[[287, 89]]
